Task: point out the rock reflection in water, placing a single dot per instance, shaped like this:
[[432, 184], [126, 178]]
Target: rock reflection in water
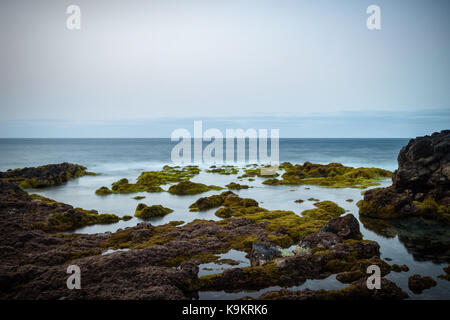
[[426, 240]]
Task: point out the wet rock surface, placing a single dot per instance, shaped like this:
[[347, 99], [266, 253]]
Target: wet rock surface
[[421, 185], [346, 227], [44, 176], [262, 253], [417, 283]]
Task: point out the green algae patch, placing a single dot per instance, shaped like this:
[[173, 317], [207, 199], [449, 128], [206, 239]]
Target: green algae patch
[[206, 203], [151, 181], [190, 188], [138, 197], [103, 191], [44, 176], [236, 186], [72, 218], [293, 227], [75, 218], [205, 257], [370, 209], [333, 175], [224, 170], [146, 237], [429, 208], [145, 212], [261, 172], [255, 277]]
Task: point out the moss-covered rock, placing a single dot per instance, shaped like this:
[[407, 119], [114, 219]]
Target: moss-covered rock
[[44, 176], [385, 203], [145, 212], [333, 175], [151, 181], [75, 218], [236, 186], [225, 170], [103, 191], [190, 188]]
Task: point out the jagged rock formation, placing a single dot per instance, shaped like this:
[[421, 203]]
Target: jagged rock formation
[[44, 176], [421, 185]]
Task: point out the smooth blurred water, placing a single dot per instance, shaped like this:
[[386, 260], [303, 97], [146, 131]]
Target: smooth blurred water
[[128, 155]]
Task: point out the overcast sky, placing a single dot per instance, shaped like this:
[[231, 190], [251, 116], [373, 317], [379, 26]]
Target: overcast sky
[[142, 68]]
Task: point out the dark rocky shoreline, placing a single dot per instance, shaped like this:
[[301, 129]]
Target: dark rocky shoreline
[[162, 262], [420, 186], [34, 261]]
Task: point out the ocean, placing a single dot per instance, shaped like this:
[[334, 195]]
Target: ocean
[[113, 155]]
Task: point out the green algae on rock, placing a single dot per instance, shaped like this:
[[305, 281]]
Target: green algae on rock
[[236, 186], [333, 175], [75, 218], [69, 218], [103, 191], [394, 209], [224, 170], [285, 226], [145, 212], [264, 171], [420, 186], [353, 257], [210, 202], [44, 176], [151, 181], [190, 188]]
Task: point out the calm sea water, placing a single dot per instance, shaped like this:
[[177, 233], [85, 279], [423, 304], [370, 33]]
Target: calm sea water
[[425, 248], [112, 155]]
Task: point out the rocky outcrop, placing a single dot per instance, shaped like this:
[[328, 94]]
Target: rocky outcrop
[[346, 227], [262, 253], [317, 256], [421, 185], [44, 176]]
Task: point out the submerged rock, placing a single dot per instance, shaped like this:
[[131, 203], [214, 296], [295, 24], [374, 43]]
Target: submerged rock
[[417, 284]]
